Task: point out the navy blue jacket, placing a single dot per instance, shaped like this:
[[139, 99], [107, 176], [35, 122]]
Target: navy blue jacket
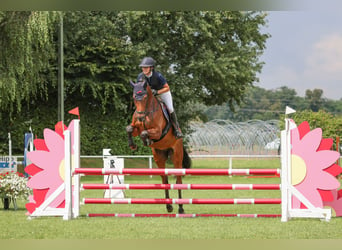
[[156, 81]]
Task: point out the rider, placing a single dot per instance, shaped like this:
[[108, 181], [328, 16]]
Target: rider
[[160, 88]]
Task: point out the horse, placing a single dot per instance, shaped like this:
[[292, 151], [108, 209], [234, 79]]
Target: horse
[[154, 128]]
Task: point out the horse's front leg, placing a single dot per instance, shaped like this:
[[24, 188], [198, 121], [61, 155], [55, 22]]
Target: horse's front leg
[[131, 144], [145, 138]]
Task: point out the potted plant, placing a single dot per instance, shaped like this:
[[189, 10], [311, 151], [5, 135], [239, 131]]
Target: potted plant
[[13, 185]]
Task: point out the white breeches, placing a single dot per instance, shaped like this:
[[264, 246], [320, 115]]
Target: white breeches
[[167, 99]]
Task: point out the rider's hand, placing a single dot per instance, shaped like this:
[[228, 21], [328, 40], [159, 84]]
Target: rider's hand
[[154, 92]]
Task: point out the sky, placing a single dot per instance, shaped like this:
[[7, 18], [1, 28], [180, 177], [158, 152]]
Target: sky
[[305, 50]]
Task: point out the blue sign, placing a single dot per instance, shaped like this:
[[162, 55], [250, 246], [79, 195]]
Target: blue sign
[[5, 164]]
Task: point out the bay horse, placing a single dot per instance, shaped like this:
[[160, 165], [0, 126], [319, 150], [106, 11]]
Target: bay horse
[[156, 132]]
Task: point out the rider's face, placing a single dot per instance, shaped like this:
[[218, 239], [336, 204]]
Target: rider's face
[[146, 70]]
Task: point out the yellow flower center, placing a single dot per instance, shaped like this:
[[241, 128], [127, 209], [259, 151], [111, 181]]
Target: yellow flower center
[[62, 168], [298, 170]]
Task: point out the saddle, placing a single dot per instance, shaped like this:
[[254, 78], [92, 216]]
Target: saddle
[[165, 111]]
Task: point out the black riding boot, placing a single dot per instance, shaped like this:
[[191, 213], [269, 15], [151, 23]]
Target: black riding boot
[[175, 125]]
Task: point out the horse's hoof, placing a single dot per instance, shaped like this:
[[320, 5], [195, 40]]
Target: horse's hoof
[[169, 208], [180, 210], [144, 134], [129, 129], [134, 147]]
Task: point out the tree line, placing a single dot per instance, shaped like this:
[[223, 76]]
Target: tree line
[[262, 104], [208, 58]]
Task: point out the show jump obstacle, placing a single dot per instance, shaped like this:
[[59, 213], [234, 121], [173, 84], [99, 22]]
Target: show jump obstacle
[[63, 198]]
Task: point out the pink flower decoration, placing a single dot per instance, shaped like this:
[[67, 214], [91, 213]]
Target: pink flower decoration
[[336, 203], [47, 167], [314, 165]]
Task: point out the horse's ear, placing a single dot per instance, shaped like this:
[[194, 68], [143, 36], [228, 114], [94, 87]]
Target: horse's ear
[[132, 83]]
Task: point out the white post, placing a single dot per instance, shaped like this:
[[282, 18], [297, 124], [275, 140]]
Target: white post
[[285, 164], [288, 165], [150, 164], [67, 177], [76, 164], [230, 164], [10, 161]]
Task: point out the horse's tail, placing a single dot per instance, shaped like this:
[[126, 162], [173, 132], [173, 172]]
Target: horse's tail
[[186, 159]]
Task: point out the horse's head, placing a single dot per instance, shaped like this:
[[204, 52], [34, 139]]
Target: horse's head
[[141, 95]]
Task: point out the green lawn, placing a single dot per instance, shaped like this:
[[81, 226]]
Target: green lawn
[[15, 225]]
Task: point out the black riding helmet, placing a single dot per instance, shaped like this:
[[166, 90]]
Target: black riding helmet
[[147, 62]]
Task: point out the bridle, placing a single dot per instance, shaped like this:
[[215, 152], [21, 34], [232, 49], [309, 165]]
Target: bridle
[[143, 114]]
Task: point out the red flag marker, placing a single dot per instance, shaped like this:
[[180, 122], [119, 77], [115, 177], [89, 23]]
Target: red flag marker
[[75, 111]]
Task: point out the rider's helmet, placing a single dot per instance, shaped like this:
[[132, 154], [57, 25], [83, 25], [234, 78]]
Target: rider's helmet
[[147, 62]]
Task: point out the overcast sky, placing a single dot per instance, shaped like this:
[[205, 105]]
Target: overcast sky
[[305, 51]]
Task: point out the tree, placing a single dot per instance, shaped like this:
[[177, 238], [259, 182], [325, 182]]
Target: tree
[[331, 125], [208, 57], [260, 104], [99, 62], [314, 97], [27, 48], [333, 106]]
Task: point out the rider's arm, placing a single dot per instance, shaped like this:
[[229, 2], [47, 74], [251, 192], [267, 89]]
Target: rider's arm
[[165, 89]]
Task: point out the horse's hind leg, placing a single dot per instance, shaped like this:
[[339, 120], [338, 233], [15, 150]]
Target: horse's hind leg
[[177, 159], [180, 208], [165, 180]]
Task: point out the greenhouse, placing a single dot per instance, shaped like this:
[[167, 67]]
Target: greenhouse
[[253, 137]]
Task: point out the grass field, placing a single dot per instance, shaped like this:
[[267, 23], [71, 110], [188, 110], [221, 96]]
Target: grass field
[[15, 225]]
